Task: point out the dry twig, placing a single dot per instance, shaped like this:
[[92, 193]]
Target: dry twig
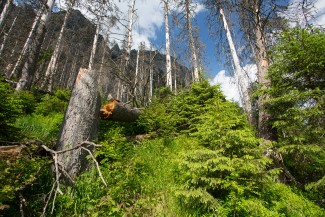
[[59, 167]]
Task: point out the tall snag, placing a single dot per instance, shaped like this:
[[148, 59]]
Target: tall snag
[[192, 43], [32, 48], [169, 81], [49, 74], [239, 72]]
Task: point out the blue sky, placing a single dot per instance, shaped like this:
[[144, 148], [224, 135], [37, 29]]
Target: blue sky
[[149, 28]]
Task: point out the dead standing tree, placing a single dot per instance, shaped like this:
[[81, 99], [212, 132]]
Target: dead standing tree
[[26, 64], [55, 57], [169, 81]]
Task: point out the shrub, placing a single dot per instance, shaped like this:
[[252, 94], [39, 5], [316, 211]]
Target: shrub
[[10, 109], [55, 103]]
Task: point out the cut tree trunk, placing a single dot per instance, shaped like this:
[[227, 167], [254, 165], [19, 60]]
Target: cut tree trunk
[[118, 111], [80, 121]]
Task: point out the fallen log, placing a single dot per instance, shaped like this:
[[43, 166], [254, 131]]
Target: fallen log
[[118, 111]]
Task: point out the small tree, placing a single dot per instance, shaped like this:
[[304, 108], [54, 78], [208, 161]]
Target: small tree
[[297, 102]]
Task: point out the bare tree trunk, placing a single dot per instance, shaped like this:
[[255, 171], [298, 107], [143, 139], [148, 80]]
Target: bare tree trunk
[[31, 37], [119, 89], [136, 73], [192, 44], [150, 76], [175, 73], [129, 35], [240, 74], [264, 130], [103, 77], [169, 82], [54, 59], [5, 37], [4, 12], [94, 48], [80, 121], [28, 70]]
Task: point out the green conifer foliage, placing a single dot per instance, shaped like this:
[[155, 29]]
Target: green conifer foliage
[[10, 109], [297, 104], [229, 165]]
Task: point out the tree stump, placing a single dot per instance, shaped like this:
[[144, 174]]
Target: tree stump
[[80, 121]]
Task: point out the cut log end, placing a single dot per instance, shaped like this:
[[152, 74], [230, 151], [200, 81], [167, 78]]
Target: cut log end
[[108, 109], [118, 111]]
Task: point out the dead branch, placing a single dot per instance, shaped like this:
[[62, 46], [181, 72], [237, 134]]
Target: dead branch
[[59, 167]]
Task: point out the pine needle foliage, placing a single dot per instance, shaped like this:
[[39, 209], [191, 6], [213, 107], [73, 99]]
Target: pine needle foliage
[[297, 105]]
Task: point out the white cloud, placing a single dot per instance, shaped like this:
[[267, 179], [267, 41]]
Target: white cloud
[[296, 15], [320, 13], [149, 18], [228, 83], [199, 8]]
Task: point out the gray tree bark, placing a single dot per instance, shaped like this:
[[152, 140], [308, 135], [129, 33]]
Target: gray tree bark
[[169, 81], [239, 71], [261, 57], [54, 59], [192, 44], [80, 121], [34, 48], [4, 12]]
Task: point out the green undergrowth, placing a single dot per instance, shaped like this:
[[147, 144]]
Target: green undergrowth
[[190, 154], [28, 119], [198, 156]]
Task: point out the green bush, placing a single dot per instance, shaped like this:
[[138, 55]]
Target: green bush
[[26, 176], [55, 103], [28, 101], [10, 109]]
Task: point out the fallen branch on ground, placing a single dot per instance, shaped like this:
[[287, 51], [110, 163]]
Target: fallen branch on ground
[[59, 167]]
